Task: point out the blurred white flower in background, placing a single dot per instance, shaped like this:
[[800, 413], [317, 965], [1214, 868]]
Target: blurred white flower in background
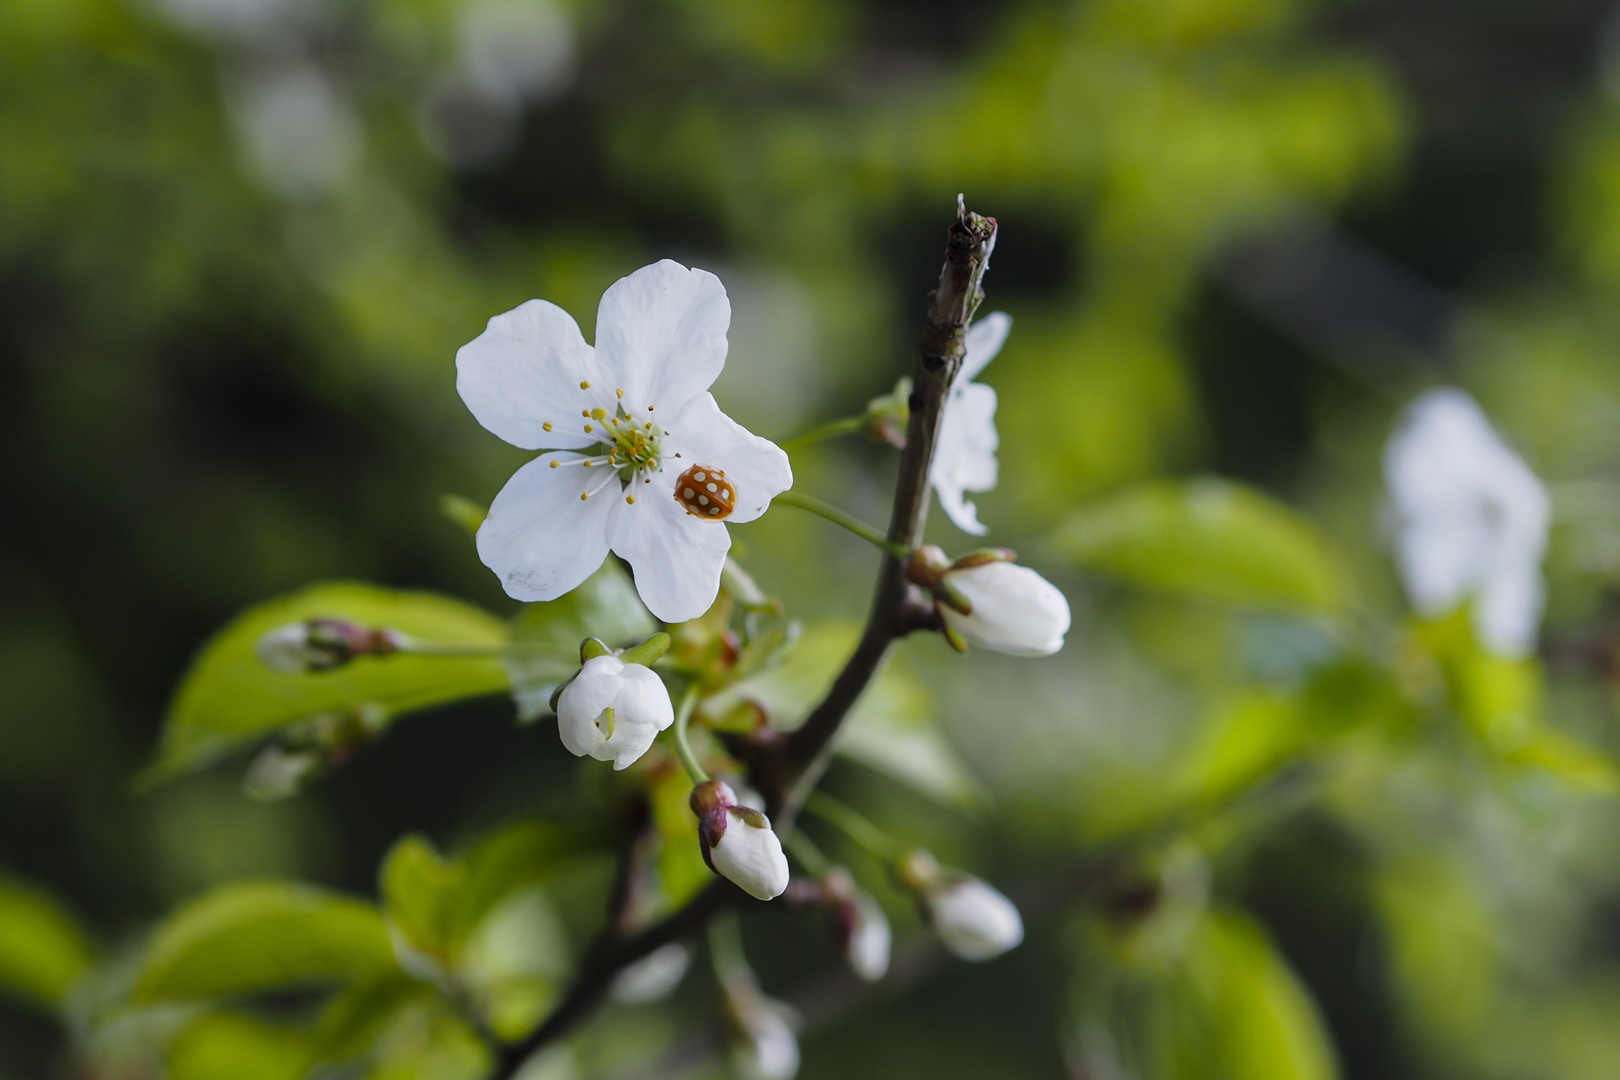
[[301, 136], [510, 54], [654, 977], [1472, 520], [965, 458]]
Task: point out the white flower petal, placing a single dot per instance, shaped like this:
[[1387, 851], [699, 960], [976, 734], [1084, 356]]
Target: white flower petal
[[983, 340], [1508, 611], [965, 459], [661, 335], [583, 700], [524, 371], [756, 467], [540, 537], [677, 558]]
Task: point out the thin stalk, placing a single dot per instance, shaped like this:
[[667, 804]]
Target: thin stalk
[[838, 517], [683, 747], [809, 856], [830, 430], [853, 824]]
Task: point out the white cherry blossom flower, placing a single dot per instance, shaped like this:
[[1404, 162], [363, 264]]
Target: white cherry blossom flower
[[612, 711], [965, 456], [1472, 520], [636, 456], [1014, 610]]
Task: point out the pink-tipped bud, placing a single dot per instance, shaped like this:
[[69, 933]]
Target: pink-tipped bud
[[738, 843], [321, 645]]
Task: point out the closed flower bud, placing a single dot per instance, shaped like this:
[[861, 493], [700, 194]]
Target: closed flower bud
[[972, 920], [1002, 606], [738, 843], [763, 1045], [653, 977], [612, 711], [321, 645], [863, 928]]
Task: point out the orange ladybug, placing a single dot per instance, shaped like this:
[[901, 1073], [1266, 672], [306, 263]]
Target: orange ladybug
[[706, 493]]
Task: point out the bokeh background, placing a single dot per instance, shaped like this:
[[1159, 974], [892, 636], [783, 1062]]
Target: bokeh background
[[241, 240]]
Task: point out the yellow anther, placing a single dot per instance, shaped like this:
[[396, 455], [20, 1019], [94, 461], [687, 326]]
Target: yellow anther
[[584, 495], [588, 427], [631, 499], [619, 392], [586, 413], [585, 385], [546, 425], [554, 464]]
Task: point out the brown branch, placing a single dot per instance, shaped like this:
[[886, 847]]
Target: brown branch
[[787, 770]]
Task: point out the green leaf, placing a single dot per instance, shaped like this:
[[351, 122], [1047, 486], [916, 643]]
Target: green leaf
[[1266, 1025], [257, 935], [1208, 540], [437, 904], [229, 1046], [229, 698], [425, 1041], [606, 606], [42, 951]]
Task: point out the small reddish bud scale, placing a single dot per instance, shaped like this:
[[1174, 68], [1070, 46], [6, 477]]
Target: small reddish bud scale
[[705, 492]]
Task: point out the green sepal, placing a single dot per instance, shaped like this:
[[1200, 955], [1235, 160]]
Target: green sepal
[[952, 638], [648, 652], [949, 594], [591, 648]]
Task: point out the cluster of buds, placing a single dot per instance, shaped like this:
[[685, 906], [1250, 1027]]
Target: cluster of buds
[[738, 843], [323, 644], [615, 705], [985, 598], [972, 920]]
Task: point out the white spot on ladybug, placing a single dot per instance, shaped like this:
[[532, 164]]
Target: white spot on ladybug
[[704, 492]]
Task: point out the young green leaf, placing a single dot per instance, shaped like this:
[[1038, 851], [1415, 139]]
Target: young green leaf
[[259, 935], [229, 1046], [230, 698], [1209, 540], [42, 951]]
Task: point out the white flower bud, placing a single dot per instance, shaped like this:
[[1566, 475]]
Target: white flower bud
[[613, 711], [863, 928], [870, 939], [1013, 609], [654, 977], [764, 1046], [974, 921], [321, 645], [738, 843]]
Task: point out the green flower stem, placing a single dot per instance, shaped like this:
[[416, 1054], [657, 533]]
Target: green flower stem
[[849, 821], [727, 955], [838, 517], [683, 748], [809, 856], [826, 431]]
